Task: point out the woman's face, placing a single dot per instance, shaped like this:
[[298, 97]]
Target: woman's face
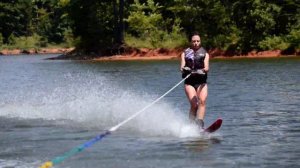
[[196, 42]]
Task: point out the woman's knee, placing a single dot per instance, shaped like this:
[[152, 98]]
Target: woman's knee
[[202, 102], [194, 103]]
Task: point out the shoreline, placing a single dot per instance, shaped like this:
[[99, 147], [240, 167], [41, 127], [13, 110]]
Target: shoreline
[[159, 54], [144, 54], [158, 58], [15, 52]]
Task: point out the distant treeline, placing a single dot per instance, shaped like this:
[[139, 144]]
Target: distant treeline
[[98, 25]]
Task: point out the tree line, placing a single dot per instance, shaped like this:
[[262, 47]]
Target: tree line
[[94, 26]]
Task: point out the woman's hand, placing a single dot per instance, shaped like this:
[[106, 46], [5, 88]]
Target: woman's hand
[[199, 72], [186, 70]]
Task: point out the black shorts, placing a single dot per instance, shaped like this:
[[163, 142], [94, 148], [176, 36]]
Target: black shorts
[[196, 80]]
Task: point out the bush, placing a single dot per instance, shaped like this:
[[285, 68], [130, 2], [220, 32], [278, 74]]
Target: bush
[[159, 39], [294, 38], [68, 38], [25, 42], [273, 43], [35, 41], [137, 42], [12, 39]]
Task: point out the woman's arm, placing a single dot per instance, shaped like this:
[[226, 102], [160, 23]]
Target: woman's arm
[[206, 63], [182, 62]]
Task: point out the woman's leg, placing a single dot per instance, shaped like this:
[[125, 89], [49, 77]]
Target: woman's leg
[[202, 92], [192, 97]]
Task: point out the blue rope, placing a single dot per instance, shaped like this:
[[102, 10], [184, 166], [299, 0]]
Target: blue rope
[[74, 151]]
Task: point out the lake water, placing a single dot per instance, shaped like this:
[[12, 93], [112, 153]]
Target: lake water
[[48, 107]]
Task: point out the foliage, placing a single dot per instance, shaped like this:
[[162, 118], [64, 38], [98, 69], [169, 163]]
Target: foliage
[[1, 40], [238, 25], [294, 38], [92, 23], [290, 41], [275, 42], [147, 24], [14, 18], [69, 40], [294, 35], [23, 18], [50, 19], [25, 42]]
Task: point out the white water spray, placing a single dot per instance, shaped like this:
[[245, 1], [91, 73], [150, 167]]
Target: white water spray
[[96, 101]]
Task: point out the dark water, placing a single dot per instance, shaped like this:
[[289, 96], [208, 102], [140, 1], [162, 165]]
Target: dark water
[[49, 107]]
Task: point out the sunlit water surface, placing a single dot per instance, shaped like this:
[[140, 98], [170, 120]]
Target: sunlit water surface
[[49, 107]]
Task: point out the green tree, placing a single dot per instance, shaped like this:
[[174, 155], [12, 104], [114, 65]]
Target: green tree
[[145, 22], [256, 19], [15, 17], [211, 19], [119, 22], [93, 23], [23, 18], [98, 26], [51, 19]]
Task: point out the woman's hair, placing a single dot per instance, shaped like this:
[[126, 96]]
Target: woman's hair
[[195, 33]]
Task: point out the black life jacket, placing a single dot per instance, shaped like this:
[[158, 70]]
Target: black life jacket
[[195, 60]]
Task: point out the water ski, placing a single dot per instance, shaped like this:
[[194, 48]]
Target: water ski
[[214, 126]]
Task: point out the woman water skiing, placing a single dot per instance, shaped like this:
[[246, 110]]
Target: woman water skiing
[[195, 61]]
